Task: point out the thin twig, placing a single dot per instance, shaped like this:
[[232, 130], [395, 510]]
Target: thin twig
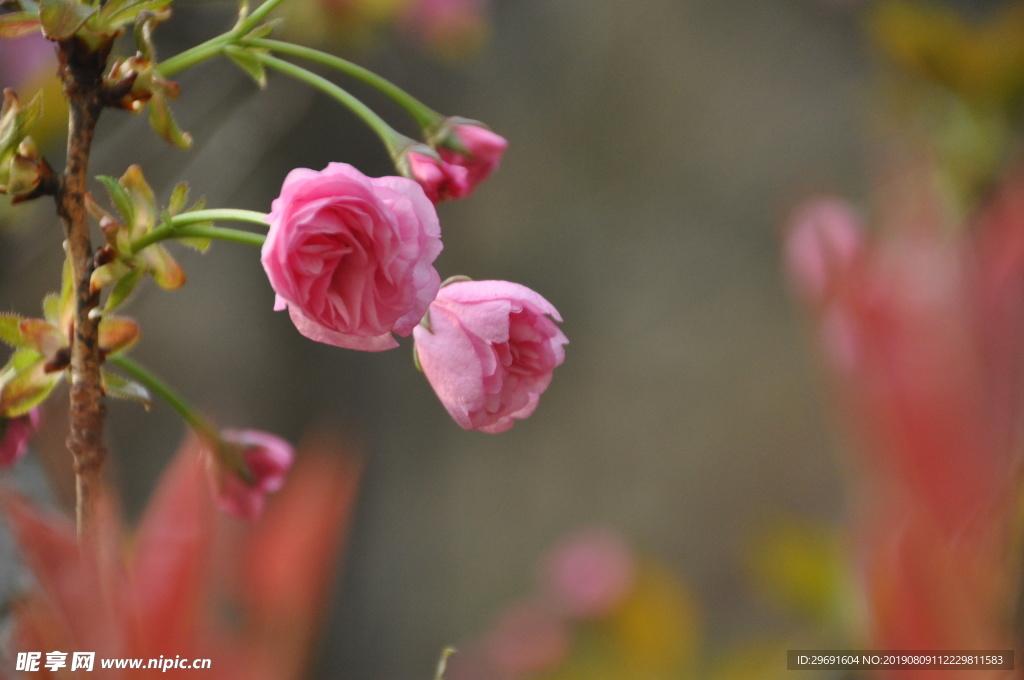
[[81, 71]]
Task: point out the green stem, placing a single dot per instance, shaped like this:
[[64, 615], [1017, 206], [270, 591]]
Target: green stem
[[187, 225], [425, 117], [393, 140], [164, 391], [215, 46]]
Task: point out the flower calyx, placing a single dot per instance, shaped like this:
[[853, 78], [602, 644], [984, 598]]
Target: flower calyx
[[42, 352], [124, 261]]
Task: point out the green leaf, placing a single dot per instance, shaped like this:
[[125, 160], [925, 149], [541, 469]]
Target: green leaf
[[23, 176], [109, 273], [162, 121], [9, 332], [124, 288], [117, 13], [179, 197], [62, 18], [15, 121], [52, 308], [119, 197], [22, 358], [29, 387], [120, 387], [264, 29], [18, 24], [142, 199], [244, 58]]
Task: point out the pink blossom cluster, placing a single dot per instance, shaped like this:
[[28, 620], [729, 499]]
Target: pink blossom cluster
[[351, 257]]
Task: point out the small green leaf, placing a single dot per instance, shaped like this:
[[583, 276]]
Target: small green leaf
[[244, 58], [109, 273], [22, 358], [9, 332], [117, 13], [15, 121], [162, 121], [29, 387], [120, 387], [52, 308], [23, 176], [264, 29], [179, 197], [18, 24], [119, 197], [142, 199], [196, 243], [124, 288], [62, 18]]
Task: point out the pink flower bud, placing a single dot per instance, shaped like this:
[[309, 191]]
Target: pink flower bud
[[351, 256], [480, 153], [824, 238], [488, 349], [14, 436], [440, 181], [589, 574], [267, 458]]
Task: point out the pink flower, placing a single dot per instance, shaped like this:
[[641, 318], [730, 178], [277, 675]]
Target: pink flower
[[480, 153], [267, 458], [351, 256], [14, 436], [589, 574], [489, 350], [440, 181], [824, 241]]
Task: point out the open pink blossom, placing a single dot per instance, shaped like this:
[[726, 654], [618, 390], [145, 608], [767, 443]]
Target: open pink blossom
[[351, 256], [14, 436], [488, 350], [268, 459], [440, 181], [483, 149]]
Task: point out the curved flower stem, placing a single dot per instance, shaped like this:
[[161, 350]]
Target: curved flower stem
[[174, 400], [393, 140], [425, 117], [186, 225], [215, 46]]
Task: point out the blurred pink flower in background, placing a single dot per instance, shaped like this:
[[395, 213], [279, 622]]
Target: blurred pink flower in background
[[922, 330], [14, 436], [589, 573], [351, 256], [23, 58], [450, 28], [488, 349], [527, 639]]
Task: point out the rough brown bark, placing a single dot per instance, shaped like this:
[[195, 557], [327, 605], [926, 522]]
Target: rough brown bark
[[81, 72]]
